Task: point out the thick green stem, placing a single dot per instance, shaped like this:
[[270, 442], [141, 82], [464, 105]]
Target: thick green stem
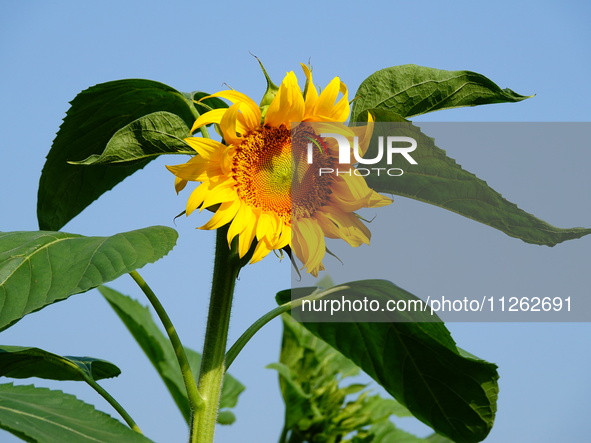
[[225, 271], [254, 328], [195, 399]]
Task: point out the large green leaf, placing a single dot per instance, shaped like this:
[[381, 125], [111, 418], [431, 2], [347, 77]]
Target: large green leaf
[[159, 351], [412, 90], [40, 415], [149, 136], [437, 179], [25, 362], [417, 363], [40, 268], [93, 119]]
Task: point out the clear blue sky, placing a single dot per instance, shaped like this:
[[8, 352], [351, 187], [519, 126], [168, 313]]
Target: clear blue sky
[[50, 51]]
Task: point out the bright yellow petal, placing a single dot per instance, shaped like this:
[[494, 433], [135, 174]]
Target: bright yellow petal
[[284, 238], [219, 193], [261, 251], [208, 118], [205, 147], [311, 98], [265, 227], [243, 217], [196, 197], [224, 215], [193, 170], [229, 123], [246, 237], [328, 97], [288, 104], [250, 114]]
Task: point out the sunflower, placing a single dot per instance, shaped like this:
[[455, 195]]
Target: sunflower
[[258, 180]]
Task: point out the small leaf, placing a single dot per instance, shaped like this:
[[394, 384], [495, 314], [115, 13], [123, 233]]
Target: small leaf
[[159, 351], [25, 362], [149, 136], [40, 415], [93, 119], [438, 180], [417, 363], [41, 268], [410, 90]]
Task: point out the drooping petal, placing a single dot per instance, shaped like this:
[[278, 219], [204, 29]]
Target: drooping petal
[[224, 215], [196, 198], [190, 171], [261, 251], [205, 147], [179, 184], [311, 242], [251, 114], [208, 118], [229, 125]]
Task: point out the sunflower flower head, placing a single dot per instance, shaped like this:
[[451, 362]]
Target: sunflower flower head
[[259, 178]]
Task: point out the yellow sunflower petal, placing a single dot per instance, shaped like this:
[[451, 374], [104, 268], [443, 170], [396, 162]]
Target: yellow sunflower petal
[[378, 200], [288, 104], [251, 112], [190, 171], [208, 118], [246, 237], [220, 193], [229, 125], [179, 184], [196, 197], [311, 242], [205, 147], [261, 251], [328, 97], [311, 98], [224, 215], [243, 217], [344, 225]]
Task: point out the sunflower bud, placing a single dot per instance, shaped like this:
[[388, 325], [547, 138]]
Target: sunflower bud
[[270, 93]]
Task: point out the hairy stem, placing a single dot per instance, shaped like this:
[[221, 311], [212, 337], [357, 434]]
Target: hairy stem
[[226, 268]]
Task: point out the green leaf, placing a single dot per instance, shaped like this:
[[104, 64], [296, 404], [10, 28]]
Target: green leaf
[[437, 179], [149, 136], [40, 415], [418, 364], [159, 351], [41, 268], [25, 362], [93, 119], [412, 90]]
